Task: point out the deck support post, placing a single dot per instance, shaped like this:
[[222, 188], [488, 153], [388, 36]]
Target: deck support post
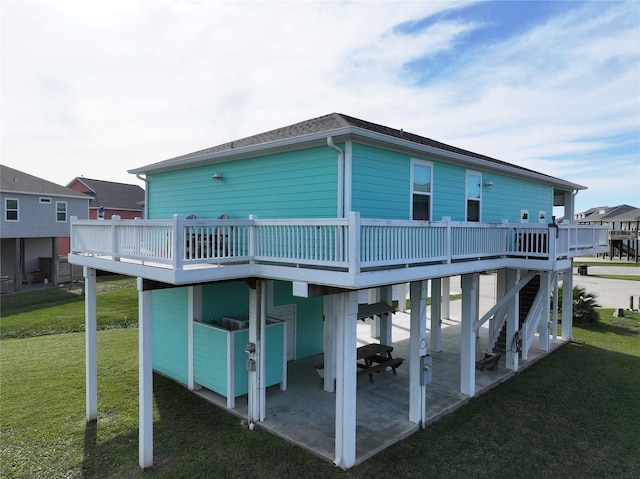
[[194, 313], [91, 359], [145, 377], [567, 303], [381, 325], [329, 329], [436, 315], [470, 287], [446, 297], [513, 321], [257, 325], [346, 377], [418, 348], [543, 326]]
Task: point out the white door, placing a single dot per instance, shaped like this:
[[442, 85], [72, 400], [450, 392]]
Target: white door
[[287, 313]]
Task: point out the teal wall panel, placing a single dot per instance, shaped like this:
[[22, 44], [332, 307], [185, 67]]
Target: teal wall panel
[[169, 333], [224, 299], [381, 189], [210, 353], [300, 184], [309, 328], [241, 376]]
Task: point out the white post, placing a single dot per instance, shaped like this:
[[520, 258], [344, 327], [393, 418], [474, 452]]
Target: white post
[[555, 306], [345, 440], [91, 343], [257, 318], [436, 315], [145, 377], [513, 320], [446, 297], [567, 303], [418, 348], [329, 330], [543, 326], [385, 320], [194, 306], [470, 284]]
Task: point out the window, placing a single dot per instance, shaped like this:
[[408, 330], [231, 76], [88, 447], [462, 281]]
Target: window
[[61, 211], [45, 201], [524, 216], [474, 193], [542, 217], [11, 209], [421, 172]]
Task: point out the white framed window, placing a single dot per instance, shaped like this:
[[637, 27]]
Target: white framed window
[[542, 217], [473, 185], [61, 211], [11, 209], [421, 181], [45, 201], [524, 216]]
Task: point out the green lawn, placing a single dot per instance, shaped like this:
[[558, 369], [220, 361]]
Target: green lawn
[[573, 414]]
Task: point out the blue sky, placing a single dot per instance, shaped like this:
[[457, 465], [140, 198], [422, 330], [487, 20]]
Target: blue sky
[[96, 88]]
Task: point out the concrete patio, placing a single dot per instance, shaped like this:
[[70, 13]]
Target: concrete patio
[[305, 414]]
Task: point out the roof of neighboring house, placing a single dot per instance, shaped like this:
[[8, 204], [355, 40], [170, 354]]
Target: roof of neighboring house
[[632, 214], [338, 124], [16, 181], [112, 195], [604, 213]]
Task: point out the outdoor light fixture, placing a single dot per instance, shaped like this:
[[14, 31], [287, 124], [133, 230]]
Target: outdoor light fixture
[[217, 177], [488, 184]]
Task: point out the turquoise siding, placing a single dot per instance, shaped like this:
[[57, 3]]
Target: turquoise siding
[[210, 353], [381, 189], [169, 333], [301, 184], [309, 328], [224, 299], [241, 376], [510, 195]]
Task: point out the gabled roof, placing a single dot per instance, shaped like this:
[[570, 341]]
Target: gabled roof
[[603, 213], [632, 214], [16, 181], [338, 124], [112, 195]]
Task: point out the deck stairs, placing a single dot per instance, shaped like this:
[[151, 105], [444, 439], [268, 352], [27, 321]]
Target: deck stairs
[[527, 297]]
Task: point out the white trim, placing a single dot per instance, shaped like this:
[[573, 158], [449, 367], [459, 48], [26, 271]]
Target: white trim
[[524, 216], [348, 177], [45, 200], [66, 212], [429, 164], [469, 173], [7, 209], [542, 217]]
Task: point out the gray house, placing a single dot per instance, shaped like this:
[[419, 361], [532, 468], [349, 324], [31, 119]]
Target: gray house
[[35, 213]]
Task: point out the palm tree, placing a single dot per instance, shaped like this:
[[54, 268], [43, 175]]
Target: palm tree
[[584, 305]]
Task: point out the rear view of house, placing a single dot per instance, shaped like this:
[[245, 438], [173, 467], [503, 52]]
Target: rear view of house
[[256, 254]]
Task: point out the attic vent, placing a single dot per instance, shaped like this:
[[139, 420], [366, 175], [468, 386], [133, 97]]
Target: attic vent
[[45, 201]]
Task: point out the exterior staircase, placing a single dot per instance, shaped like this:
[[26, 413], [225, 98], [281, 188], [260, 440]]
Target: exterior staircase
[[527, 296]]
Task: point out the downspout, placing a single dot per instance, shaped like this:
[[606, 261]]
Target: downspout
[[332, 145], [146, 195]]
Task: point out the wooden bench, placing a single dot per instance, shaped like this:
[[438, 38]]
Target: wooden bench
[[376, 367]]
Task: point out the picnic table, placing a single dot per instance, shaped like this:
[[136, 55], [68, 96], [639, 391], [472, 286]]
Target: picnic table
[[375, 358]]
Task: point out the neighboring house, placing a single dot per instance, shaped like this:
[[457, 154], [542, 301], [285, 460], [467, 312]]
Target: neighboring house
[[624, 229], [35, 217], [108, 199], [255, 253]]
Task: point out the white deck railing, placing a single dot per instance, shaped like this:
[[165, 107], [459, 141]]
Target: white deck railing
[[352, 243]]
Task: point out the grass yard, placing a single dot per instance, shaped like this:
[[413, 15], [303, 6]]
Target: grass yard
[[571, 415], [61, 310]]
